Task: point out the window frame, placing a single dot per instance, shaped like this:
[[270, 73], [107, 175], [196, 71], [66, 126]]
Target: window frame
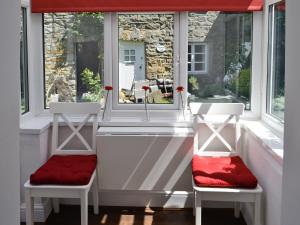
[[122, 114], [24, 77], [193, 53], [114, 43], [275, 124]]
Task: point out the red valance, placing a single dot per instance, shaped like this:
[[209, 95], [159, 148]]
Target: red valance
[[40, 6]]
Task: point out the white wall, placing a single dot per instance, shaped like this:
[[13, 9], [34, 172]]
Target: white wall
[[9, 112], [269, 174], [291, 163]]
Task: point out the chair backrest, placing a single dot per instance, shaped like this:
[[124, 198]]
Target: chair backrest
[[231, 111], [86, 113]]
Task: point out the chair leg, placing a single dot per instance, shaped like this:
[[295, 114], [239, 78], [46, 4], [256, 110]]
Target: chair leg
[[84, 207], [194, 203], [95, 196], [198, 208], [237, 208], [55, 203], [29, 201], [257, 210]]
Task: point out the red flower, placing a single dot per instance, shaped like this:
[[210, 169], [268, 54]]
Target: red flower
[[108, 88], [145, 88], [179, 89]]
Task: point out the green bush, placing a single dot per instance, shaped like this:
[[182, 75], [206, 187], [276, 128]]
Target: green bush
[[93, 85], [244, 83]]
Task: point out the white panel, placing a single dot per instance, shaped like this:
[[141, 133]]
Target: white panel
[[73, 107], [217, 108]]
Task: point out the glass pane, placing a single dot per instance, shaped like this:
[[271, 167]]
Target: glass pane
[[24, 63], [199, 49], [199, 67], [189, 57], [73, 50], [189, 49], [199, 57], [189, 67], [227, 39], [126, 58], [276, 60], [150, 38], [126, 52]]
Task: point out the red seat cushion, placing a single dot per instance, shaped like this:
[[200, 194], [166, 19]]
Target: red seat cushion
[[226, 172], [66, 170]]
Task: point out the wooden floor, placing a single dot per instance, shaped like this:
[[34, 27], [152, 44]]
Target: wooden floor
[[70, 215]]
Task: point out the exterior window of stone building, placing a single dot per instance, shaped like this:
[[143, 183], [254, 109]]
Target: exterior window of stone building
[[145, 58], [73, 57], [276, 61], [228, 39], [197, 58], [24, 63]]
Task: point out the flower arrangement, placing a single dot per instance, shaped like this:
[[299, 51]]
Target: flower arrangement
[[179, 90], [107, 89], [146, 88]]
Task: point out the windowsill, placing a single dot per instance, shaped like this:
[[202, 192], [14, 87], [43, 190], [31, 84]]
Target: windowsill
[[267, 137], [136, 126]]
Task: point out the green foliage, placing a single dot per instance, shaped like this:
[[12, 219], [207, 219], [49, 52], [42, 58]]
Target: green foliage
[[244, 83], [93, 84], [210, 90], [193, 85], [278, 103]]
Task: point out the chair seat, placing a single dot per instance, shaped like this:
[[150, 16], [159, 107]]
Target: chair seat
[[65, 170], [225, 172]]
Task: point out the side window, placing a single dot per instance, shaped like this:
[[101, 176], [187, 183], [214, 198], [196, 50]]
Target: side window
[[219, 57], [73, 57], [24, 63], [197, 58], [276, 60]]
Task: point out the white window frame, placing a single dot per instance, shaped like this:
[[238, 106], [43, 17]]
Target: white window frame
[[271, 121], [193, 53], [129, 55], [114, 43], [35, 64]]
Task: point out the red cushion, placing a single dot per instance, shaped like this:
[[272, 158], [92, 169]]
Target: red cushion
[[66, 170], [228, 172]]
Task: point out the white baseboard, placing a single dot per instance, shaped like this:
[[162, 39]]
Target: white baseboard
[[41, 211]]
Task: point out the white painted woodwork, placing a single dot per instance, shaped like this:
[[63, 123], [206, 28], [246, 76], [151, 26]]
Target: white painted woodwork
[[9, 112], [61, 110], [232, 111]]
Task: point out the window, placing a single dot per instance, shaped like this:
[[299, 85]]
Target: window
[[145, 58], [129, 56], [73, 57], [276, 60], [197, 59], [220, 46], [24, 63]]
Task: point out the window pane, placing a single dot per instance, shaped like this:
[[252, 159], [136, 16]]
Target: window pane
[[199, 57], [73, 50], [24, 63], [199, 48], [276, 60], [151, 39], [227, 41], [199, 66]]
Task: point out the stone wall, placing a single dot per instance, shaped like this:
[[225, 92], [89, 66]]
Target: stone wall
[[153, 30]]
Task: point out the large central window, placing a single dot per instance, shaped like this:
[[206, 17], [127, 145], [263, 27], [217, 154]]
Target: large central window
[[146, 52]]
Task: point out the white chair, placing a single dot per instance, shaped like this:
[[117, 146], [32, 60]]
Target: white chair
[[67, 173], [222, 176]]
